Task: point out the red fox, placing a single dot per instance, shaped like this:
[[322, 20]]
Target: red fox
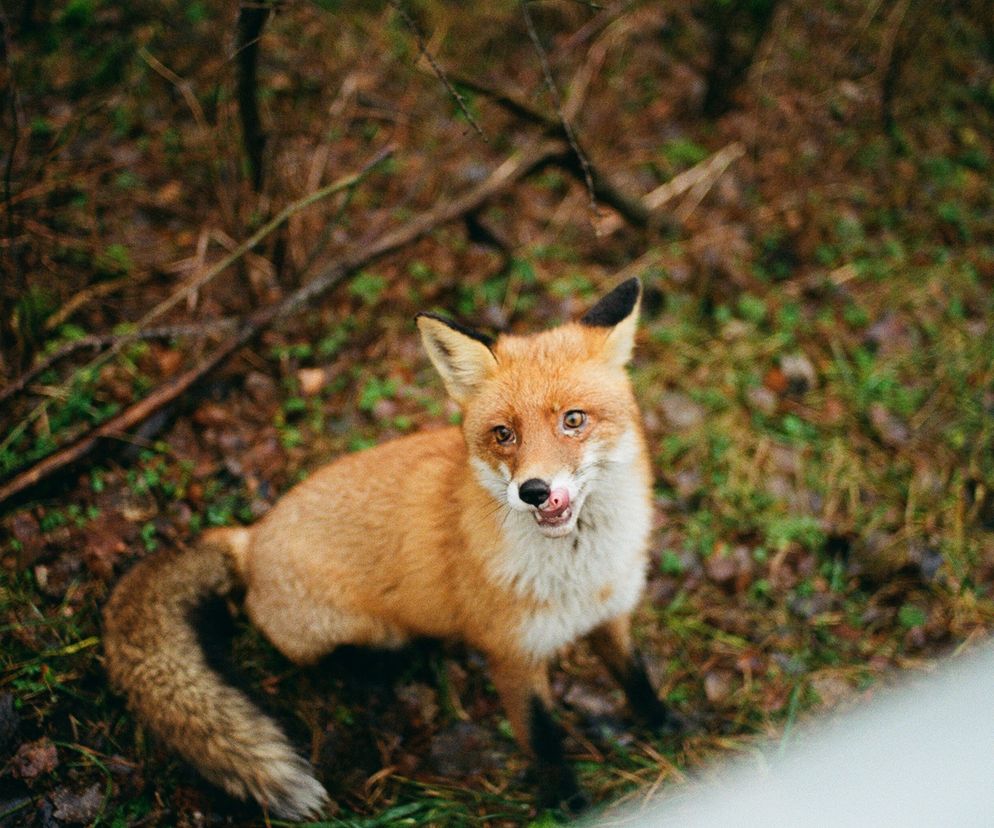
[[519, 532]]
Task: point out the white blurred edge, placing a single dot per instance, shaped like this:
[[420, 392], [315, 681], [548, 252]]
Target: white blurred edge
[[918, 755]]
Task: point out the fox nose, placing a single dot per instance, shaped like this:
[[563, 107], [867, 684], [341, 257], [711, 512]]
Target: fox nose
[[534, 491]]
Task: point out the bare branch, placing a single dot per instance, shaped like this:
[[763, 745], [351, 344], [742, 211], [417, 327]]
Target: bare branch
[[435, 67], [96, 291], [551, 84], [697, 180]]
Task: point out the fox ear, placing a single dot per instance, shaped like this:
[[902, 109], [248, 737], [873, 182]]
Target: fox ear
[[461, 355], [618, 314]]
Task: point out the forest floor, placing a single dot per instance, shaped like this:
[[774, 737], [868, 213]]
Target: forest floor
[[815, 365]]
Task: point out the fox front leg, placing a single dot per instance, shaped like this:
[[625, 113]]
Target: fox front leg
[[524, 691], [612, 643]]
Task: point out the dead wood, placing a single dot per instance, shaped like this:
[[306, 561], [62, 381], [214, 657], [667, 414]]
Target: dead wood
[[499, 181]]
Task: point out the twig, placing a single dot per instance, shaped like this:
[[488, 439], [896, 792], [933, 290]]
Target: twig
[[435, 67], [344, 183], [513, 104], [509, 172], [182, 85], [89, 294], [76, 182], [567, 127], [186, 90], [604, 190], [611, 29], [889, 62], [698, 179], [719, 162]]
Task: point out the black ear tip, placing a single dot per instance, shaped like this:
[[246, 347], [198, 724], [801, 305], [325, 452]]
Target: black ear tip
[[615, 306], [472, 333]]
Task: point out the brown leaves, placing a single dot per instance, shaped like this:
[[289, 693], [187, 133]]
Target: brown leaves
[[34, 759], [25, 530], [77, 808]]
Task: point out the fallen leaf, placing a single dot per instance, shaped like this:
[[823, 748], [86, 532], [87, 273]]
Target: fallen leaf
[[721, 568], [169, 193], [775, 380], [34, 759], [76, 808], [589, 700], [832, 689], [762, 399], [419, 700], [212, 414], [168, 360]]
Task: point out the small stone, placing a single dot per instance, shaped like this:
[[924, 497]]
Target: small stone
[[718, 685], [310, 381], [681, 411], [799, 373]]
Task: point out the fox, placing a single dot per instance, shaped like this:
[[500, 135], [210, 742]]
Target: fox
[[520, 531]]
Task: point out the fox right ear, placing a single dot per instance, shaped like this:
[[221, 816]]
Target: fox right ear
[[618, 314], [461, 355]]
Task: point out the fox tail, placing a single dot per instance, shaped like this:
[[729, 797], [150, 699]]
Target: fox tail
[[156, 659]]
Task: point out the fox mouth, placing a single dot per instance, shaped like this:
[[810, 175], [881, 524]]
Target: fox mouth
[[555, 516]]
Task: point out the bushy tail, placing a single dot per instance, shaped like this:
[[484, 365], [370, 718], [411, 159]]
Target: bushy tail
[[155, 658]]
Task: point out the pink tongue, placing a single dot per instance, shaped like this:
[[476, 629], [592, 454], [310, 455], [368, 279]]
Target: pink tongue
[[556, 504]]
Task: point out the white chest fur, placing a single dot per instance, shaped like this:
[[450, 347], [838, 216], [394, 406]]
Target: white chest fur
[[588, 577]]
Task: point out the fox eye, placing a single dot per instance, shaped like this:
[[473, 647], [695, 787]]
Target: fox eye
[[503, 435], [574, 419]]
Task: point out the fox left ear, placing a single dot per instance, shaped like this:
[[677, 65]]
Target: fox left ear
[[461, 355], [618, 314]]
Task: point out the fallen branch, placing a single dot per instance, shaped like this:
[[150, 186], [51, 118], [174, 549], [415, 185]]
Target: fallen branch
[[97, 291], [502, 178]]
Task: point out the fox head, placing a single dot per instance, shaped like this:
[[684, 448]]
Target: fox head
[[543, 413]]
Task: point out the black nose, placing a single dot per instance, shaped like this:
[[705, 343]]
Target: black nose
[[534, 491]]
